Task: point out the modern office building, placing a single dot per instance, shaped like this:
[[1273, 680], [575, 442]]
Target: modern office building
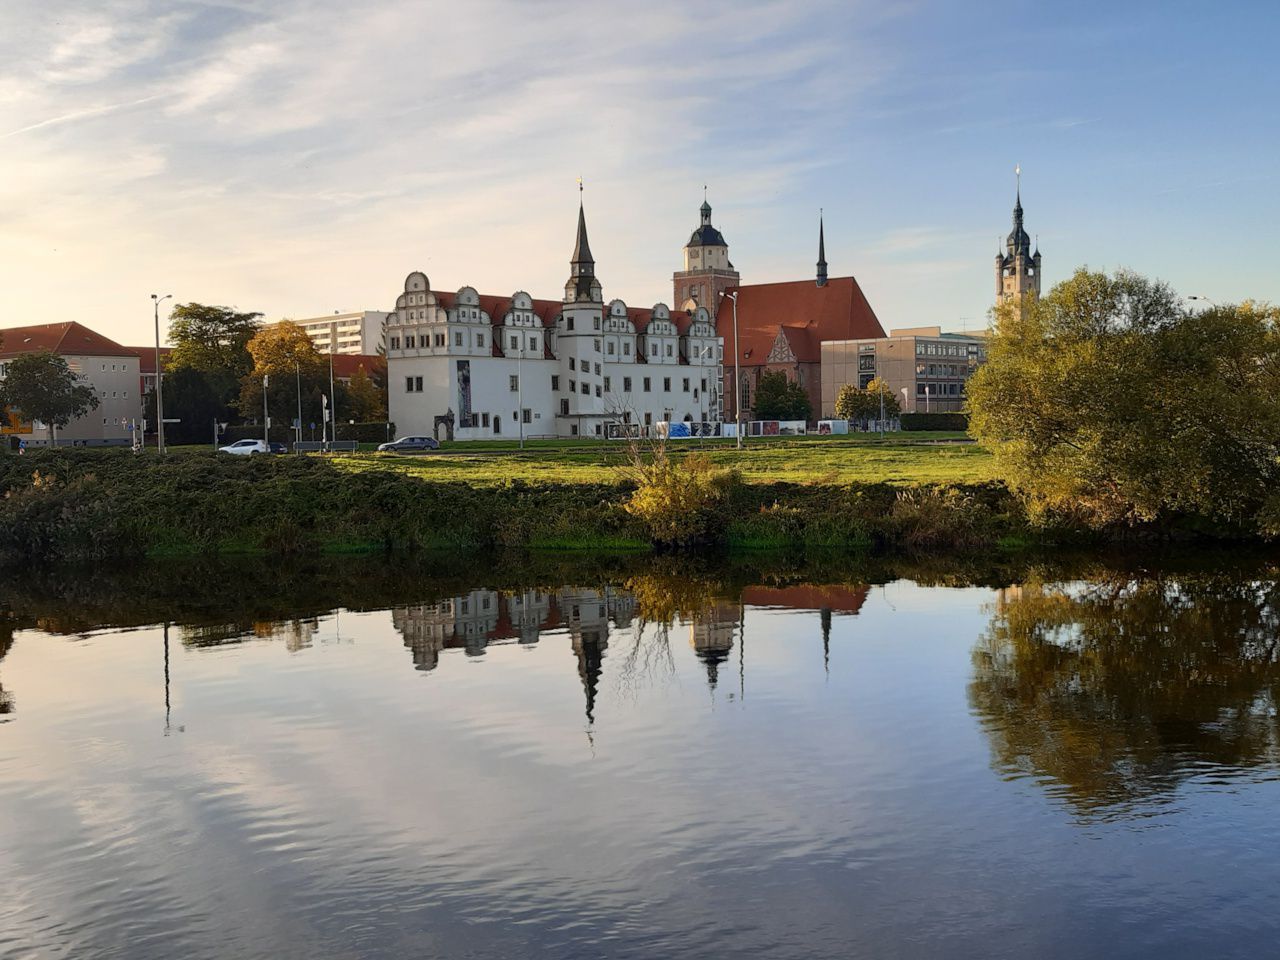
[[360, 332], [925, 368]]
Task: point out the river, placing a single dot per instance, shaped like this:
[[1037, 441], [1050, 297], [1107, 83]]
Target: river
[[641, 758]]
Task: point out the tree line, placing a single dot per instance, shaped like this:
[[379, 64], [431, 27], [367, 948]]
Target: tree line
[[220, 358]]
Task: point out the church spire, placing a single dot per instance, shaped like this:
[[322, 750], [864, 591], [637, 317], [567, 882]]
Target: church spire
[[582, 285], [822, 253]]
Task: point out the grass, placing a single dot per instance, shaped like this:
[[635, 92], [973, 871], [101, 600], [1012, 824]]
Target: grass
[[824, 460]]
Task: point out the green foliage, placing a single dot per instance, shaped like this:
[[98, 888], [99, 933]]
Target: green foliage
[[366, 401], [861, 405], [191, 398], [1106, 402], [681, 501], [778, 398], [214, 341], [41, 386], [933, 421], [376, 432], [285, 355]]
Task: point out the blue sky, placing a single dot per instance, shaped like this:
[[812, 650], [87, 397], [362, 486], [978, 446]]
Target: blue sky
[[300, 157]]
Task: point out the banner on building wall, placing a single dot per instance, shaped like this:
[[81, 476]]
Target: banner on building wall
[[464, 393], [11, 423]]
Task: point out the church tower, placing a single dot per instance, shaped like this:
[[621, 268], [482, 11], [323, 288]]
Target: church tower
[[707, 270], [1017, 268]]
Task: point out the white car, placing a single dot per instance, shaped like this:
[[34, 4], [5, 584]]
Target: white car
[[245, 447]]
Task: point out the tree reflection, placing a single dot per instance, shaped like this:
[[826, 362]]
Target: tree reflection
[[6, 643], [1121, 688]]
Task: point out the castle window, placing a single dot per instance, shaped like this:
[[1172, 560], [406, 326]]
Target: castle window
[[479, 339], [626, 384], [606, 384], [533, 343], [569, 321], [647, 386], [686, 384], [457, 339], [668, 349], [626, 348], [653, 349], [515, 382], [409, 342], [555, 381], [564, 408], [484, 419], [395, 343]]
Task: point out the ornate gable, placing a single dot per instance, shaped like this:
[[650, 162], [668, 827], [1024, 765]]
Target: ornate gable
[[781, 351]]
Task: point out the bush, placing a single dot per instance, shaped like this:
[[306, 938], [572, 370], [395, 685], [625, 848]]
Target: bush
[[681, 502], [278, 434], [934, 421]]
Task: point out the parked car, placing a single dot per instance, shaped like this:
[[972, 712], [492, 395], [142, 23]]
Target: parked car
[[410, 443], [278, 447], [245, 447]]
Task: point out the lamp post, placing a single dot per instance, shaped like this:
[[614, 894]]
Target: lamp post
[[737, 385], [266, 419], [333, 399], [297, 369], [156, 300]]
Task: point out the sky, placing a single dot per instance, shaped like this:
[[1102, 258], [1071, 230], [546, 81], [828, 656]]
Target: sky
[[298, 157]]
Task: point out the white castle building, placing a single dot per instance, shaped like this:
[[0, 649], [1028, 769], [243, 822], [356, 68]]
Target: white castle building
[[478, 365]]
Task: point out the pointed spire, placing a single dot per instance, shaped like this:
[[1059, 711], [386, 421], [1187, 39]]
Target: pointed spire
[[581, 249], [822, 252]]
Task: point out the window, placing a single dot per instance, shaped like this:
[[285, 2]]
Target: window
[[555, 381], [597, 429], [573, 386], [484, 420], [573, 432], [598, 389], [668, 349], [395, 343], [666, 384], [564, 407], [609, 348], [533, 343], [606, 384], [457, 339], [597, 323], [648, 419], [526, 415], [569, 322], [646, 385], [439, 340], [586, 389], [626, 384], [596, 343], [597, 369], [626, 348], [653, 349], [686, 384], [515, 383], [408, 384], [515, 342], [417, 384], [408, 342], [479, 339], [571, 362]]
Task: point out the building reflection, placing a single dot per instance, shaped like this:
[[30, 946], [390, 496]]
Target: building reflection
[[1113, 692], [6, 644], [590, 616]]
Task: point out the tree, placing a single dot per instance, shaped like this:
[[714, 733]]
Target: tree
[[778, 398], [1107, 402], [193, 400], [366, 402], [284, 353], [853, 403], [41, 386], [213, 340]]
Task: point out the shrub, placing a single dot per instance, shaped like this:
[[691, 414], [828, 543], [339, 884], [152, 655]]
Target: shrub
[[377, 432], [682, 502], [934, 421]]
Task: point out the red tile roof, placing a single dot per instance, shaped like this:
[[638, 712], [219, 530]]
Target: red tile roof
[[68, 339], [807, 597], [147, 358], [345, 365], [806, 313]]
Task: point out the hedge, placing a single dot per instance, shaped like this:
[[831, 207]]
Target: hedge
[[379, 432], [934, 421]]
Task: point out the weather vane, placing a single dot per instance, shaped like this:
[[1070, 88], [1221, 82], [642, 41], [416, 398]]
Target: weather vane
[[579, 184]]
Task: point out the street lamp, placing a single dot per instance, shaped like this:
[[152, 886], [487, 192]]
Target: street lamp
[[737, 385], [155, 301], [333, 399]]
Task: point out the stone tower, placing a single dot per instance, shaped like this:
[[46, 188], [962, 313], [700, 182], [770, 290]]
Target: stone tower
[[822, 255], [707, 271], [1017, 267]]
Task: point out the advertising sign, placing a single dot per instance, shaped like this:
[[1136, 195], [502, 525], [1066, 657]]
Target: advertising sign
[[464, 393]]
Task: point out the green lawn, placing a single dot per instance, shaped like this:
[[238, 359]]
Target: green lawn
[[800, 460]]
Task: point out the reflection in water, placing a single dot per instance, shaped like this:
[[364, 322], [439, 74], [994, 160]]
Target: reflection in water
[[1119, 689], [6, 643], [388, 796]]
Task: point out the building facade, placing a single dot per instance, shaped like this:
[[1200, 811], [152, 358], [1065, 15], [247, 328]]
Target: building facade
[[361, 332], [482, 366], [109, 368], [923, 367]]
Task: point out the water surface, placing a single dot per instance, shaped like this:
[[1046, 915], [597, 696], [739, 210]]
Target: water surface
[[641, 762]]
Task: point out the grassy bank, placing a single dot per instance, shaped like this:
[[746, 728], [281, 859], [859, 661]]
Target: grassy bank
[[76, 505]]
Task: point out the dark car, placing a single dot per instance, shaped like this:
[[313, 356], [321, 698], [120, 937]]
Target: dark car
[[278, 447], [410, 443]]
